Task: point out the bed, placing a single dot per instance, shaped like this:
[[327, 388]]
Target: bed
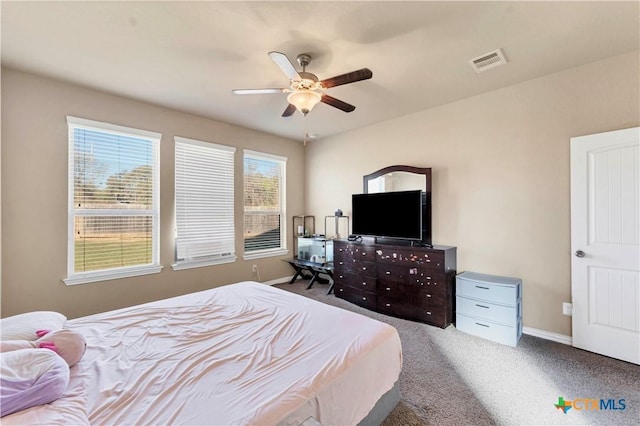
[[240, 354]]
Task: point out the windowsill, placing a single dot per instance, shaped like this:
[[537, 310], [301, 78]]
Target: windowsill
[[111, 275], [265, 253], [189, 264]]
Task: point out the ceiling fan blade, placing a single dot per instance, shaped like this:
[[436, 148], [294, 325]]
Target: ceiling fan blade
[[337, 103], [350, 77], [289, 110], [285, 65], [256, 91]]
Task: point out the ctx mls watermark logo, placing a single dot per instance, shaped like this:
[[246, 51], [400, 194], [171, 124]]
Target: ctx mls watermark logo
[[590, 404]]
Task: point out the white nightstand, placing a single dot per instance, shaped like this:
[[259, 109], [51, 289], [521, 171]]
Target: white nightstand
[[489, 306]]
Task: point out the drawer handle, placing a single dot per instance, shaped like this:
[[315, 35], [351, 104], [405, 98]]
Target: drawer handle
[[364, 254], [341, 276], [341, 289], [482, 325], [428, 278], [364, 283], [428, 312], [484, 288], [482, 306], [388, 288], [388, 272], [387, 304], [364, 298], [364, 268], [341, 263], [428, 295]]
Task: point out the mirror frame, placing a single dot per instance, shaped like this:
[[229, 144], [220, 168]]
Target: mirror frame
[[426, 171]]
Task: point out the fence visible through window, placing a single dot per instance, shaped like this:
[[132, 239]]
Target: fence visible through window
[[262, 231]]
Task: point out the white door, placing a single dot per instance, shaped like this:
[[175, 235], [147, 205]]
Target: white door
[[605, 240]]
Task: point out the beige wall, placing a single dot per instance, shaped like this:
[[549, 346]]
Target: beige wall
[[500, 172], [34, 197]]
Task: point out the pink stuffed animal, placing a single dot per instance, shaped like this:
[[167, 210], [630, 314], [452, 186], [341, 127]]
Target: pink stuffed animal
[[70, 345]]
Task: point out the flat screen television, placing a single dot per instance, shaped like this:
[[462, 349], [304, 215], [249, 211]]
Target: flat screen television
[[394, 215]]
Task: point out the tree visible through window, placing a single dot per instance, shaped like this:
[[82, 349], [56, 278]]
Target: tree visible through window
[[264, 204], [113, 197]]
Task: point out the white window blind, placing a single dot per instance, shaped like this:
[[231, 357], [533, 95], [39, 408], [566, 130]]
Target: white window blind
[[264, 202], [204, 176], [113, 201]]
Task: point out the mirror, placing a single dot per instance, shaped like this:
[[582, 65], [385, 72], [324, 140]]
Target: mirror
[[395, 181], [404, 178], [398, 178]]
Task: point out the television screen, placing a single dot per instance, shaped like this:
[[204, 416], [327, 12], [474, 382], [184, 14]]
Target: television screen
[[388, 214]]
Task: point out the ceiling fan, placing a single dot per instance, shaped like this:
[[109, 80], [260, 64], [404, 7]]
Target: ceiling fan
[[305, 91]]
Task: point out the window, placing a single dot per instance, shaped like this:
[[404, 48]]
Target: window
[[264, 205], [205, 232], [113, 202]]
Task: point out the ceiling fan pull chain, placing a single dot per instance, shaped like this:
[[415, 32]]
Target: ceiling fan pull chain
[[306, 130]]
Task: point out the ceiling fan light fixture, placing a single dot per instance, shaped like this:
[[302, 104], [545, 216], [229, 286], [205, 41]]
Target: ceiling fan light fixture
[[304, 100]]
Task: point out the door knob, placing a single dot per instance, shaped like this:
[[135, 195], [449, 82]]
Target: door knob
[[579, 253]]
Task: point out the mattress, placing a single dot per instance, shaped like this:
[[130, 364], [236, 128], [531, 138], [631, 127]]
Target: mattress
[[245, 353]]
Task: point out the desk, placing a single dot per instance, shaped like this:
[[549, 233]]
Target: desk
[[315, 268]]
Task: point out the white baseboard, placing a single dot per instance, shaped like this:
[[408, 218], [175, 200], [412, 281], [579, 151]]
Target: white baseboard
[[548, 335], [278, 280]]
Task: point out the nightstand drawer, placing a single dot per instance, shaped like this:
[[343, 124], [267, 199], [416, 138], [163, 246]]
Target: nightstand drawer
[[485, 290], [489, 330], [507, 315]]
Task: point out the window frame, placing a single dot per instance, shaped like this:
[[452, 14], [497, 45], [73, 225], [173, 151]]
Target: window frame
[[74, 278], [272, 252], [210, 260]]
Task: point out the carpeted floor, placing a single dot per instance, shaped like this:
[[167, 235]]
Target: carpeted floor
[[452, 378]]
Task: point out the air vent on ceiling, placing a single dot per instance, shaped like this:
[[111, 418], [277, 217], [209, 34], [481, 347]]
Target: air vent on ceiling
[[488, 61]]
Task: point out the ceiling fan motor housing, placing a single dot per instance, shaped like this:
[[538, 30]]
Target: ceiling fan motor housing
[[304, 60], [308, 76]]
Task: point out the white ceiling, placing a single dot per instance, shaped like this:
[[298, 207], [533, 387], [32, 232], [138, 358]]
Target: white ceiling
[[190, 55]]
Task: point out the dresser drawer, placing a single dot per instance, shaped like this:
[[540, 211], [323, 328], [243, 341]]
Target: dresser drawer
[[434, 315], [507, 315], [355, 251], [428, 298], [355, 266], [486, 329], [355, 295], [499, 293], [356, 281], [414, 293], [432, 260], [410, 275]]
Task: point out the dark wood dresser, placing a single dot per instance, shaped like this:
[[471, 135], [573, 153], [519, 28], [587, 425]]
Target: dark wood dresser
[[415, 283]]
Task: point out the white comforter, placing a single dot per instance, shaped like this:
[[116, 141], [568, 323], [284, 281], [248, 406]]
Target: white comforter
[[240, 354]]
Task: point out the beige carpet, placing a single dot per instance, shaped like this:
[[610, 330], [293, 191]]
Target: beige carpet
[[452, 378]]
